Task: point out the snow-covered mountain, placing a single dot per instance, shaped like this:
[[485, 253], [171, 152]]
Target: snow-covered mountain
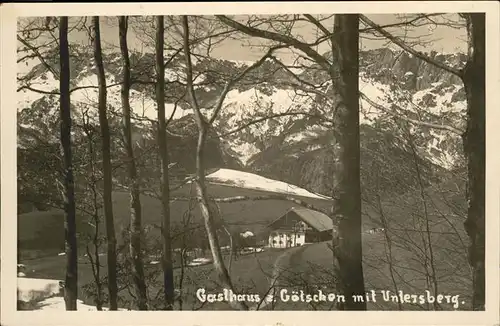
[[397, 87]]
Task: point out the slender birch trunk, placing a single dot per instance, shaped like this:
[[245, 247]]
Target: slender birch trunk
[[168, 273], [135, 201], [107, 171]]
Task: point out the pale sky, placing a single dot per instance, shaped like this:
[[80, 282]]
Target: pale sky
[[442, 38]]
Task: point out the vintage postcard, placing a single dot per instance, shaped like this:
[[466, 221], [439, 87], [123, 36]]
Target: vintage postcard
[[273, 163]]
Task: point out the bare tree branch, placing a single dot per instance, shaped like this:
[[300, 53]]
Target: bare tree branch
[[28, 87], [318, 24], [252, 31], [412, 22], [233, 81], [417, 122], [38, 54], [272, 116]]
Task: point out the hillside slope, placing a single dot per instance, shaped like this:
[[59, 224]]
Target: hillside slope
[[44, 230]]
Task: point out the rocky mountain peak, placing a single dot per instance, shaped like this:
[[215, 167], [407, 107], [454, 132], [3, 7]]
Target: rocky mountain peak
[[395, 80]]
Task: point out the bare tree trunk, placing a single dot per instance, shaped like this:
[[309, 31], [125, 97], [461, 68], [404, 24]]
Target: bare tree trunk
[[201, 192], [135, 202], [94, 264], [474, 149], [71, 280], [347, 249], [168, 273], [107, 171]]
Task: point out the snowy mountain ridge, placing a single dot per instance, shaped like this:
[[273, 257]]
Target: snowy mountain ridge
[[400, 85]]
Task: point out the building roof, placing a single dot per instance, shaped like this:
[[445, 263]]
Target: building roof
[[317, 220]]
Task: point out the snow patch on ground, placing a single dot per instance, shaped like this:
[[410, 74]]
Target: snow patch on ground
[[57, 303], [257, 182], [29, 289], [46, 293], [200, 262], [247, 234]]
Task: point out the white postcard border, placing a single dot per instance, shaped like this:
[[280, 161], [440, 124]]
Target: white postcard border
[[9, 315]]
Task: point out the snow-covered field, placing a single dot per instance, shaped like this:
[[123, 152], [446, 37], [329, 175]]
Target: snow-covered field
[[46, 293], [29, 289], [253, 181], [57, 303]]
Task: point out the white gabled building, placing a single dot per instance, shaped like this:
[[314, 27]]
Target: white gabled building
[[299, 226]]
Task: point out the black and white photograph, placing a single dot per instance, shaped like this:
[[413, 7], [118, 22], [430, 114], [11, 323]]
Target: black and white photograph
[[280, 161]]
